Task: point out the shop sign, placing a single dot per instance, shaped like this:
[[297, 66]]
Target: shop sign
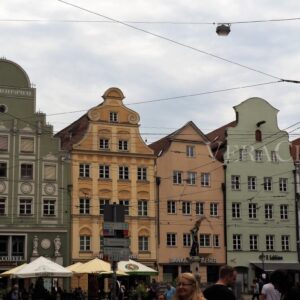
[[180, 260], [11, 258], [200, 259]]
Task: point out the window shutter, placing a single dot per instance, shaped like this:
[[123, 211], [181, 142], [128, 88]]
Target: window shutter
[[27, 144], [50, 172], [3, 142]]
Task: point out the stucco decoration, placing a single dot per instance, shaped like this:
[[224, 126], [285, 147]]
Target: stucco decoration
[[35, 243], [133, 118], [57, 246], [26, 187], [2, 187], [49, 188], [3, 127], [113, 93], [94, 115], [45, 244]]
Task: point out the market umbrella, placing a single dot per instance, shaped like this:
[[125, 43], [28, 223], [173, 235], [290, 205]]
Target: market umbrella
[[74, 267], [95, 265], [43, 267], [135, 268], [12, 271]]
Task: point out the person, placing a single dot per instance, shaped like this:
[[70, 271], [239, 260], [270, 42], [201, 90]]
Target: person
[[283, 283], [222, 288], [268, 292], [187, 288], [14, 293], [255, 287], [161, 297], [153, 290], [170, 291]]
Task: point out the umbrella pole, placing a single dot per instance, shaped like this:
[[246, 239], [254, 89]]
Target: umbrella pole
[[114, 277]]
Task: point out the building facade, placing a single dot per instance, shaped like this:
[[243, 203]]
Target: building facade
[[34, 177], [110, 164], [189, 205], [260, 192]]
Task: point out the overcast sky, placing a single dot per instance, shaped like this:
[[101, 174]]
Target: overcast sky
[[73, 63]]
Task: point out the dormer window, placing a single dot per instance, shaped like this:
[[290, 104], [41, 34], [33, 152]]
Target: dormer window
[[113, 117], [258, 135]]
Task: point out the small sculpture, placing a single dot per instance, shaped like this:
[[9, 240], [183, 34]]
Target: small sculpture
[[57, 245], [195, 243], [35, 243]]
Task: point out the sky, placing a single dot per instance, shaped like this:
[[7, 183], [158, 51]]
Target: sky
[[74, 51]]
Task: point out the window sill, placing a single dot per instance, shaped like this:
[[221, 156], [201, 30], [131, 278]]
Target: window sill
[[85, 251], [143, 181], [124, 180], [105, 179], [84, 178]]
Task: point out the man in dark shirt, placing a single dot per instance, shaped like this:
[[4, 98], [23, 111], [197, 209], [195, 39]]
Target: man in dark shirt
[[221, 289]]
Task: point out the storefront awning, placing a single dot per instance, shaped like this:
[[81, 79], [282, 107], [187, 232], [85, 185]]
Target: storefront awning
[[268, 267]]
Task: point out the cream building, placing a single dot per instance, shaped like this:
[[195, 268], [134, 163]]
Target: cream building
[[189, 190], [111, 164]]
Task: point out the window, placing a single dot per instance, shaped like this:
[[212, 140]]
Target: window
[[177, 177], [123, 145], [216, 240], [143, 208], [104, 172], [242, 154], [236, 210], [285, 243], [274, 156], [84, 206], [26, 171], [3, 143], [27, 144], [85, 243], [190, 151], [104, 144], [269, 242], [143, 243], [283, 211], [283, 184], [199, 208], [253, 238], [171, 239], [235, 182], [186, 207], [3, 169], [213, 209], [4, 244], [187, 240], [49, 207], [18, 245], [50, 172], [237, 242], [267, 183], [204, 240], [142, 173], [268, 211], [102, 203], [252, 210], [113, 117], [171, 206], [126, 206], [25, 208], [84, 170], [123, 173], [2, 206], [258, 135], [191, 180], [205, 179], [251, 183], [258, 155]]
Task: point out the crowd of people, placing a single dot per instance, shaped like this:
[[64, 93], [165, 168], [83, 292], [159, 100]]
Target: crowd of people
[[279, 286]]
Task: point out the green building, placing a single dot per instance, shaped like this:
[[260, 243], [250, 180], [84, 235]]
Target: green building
[[34, 177], [259, 192]]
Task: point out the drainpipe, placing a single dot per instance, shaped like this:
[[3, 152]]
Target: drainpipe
[[158, 207], [225, 209], [297, 201]]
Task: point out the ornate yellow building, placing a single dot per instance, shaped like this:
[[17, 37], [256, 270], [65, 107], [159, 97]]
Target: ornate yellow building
[[110, 163]]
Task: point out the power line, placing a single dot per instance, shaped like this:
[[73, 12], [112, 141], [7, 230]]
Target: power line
[[172, 41]]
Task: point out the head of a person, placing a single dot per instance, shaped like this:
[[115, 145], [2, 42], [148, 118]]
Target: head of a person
[[15, 287], [281, 281], [227, 275], [168, 285], [187, 287], [161, 297]]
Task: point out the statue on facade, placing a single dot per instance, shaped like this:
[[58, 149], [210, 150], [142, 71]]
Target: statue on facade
[[57, 245], [35, 243], [195, 242]]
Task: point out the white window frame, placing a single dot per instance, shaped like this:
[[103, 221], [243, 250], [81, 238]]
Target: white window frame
[[49, 207], [104, 171], [200, 208], [205, 179], [269, 214], [283, 184], [252, 210], [5, 170], [191, 178], [3, 206], [243, 154], [123, 173], [102, 203], [104, 144], [253, 242], [268, 184], [274, 156], [142, 173], [28, 206], [285, 243], [216, 241], [190, 151], [27, 177], [84, 170], [143, 208], [84, 205], [186, 207], [177, 177], [251, 183], [123, 145], [85, 243], [186, 240], [143, 242], [236, 210], [258, 155], [270, 241], [284, 214], [171, 207], [236, 182], [171, 239], [204, 240], [125, 202], [213, 208], [237, 242], [113, 117]]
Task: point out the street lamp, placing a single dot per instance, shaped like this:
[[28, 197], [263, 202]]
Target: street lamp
[[262, 257], [223, 29]]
